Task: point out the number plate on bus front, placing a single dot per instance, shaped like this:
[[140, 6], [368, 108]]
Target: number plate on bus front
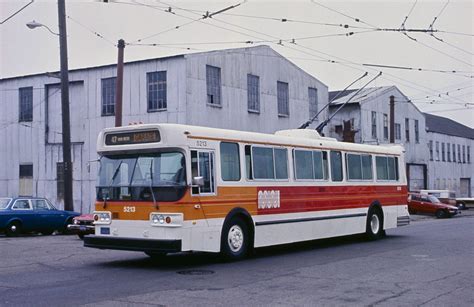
[[104, 230]]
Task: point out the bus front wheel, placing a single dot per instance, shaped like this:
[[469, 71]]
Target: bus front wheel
[[374, 228], [235, 239]]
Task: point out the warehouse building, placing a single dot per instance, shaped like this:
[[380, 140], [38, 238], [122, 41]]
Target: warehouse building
[[366, 118], [254, 89]]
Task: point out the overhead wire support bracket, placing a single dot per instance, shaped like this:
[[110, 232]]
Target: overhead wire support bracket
[[306, 124], [324, 123]]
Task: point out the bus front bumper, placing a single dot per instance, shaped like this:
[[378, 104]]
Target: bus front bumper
[[128, 244]]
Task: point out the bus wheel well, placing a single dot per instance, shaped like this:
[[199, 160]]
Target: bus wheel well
[[243, 214], [376, 206]]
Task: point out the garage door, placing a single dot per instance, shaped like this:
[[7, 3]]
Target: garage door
[[416, 177], [465, 187]]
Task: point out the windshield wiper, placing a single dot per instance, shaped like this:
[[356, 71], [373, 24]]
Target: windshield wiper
[[109, 186]]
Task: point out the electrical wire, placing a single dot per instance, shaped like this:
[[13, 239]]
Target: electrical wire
[[343, 14], [17, 12], [92, 31]]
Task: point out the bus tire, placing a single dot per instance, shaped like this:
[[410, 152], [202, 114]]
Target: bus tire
[[235, 239], [156, 255], [374, 227]]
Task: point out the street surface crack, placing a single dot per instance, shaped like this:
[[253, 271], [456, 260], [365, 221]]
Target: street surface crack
[[383, 300]]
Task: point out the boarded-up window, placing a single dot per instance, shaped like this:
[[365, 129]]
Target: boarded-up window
[[26, 180], [283, 99], [313, 101], [60, 180]]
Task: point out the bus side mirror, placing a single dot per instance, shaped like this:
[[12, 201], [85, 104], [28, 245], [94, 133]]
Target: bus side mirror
[[198, 181]]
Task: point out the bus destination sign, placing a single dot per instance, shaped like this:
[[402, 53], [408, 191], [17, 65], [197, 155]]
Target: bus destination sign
[[126, 138]]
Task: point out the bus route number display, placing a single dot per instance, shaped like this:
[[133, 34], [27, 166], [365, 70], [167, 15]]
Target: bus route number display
[[132, 137]]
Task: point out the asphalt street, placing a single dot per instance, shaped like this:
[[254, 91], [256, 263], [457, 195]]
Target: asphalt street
[[430, 262]]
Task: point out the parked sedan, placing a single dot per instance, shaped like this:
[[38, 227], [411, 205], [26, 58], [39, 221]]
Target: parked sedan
[[28, 214], [82, 225], [428, 204]]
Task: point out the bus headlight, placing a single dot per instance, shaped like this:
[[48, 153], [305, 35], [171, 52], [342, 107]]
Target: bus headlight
[[102, 218], [166, 219]]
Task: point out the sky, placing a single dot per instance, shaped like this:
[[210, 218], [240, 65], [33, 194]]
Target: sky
[[315, 35]]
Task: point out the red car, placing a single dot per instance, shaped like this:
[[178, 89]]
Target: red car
[[82, 225], [428, 204]]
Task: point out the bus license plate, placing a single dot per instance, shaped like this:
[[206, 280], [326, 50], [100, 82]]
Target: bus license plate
[[104, 230]]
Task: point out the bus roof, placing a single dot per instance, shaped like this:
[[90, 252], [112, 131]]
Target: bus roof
[[176, 135]]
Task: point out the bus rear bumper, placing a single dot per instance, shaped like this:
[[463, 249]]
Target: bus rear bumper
[[142, 245]]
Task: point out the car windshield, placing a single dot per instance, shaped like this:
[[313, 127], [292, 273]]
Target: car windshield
[[433, 199], [132, 177], [4, 203]]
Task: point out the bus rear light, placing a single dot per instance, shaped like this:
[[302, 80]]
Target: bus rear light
[[166, 219]]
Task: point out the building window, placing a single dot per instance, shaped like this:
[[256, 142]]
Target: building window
[[108, 96], [385, 126], [313, 101], [443, 156], [60, 180], [469, 154], [26, 104], [398, 132], [213, 83], [417, 132], [448, 152], [430, 147], [253, 93], [374, 125], [459, 154], [463, 154], [283, 99], [454, 152], [437, 151], [407, 130], [156, 85]]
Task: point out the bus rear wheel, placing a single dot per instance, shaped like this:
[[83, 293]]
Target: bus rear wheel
[[374, 228], [235, 239]]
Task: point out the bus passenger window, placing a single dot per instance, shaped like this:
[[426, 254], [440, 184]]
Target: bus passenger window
[[387, 168], [263, 163], [367, 167], [336, 165], [303, 164], [281, 163], [230, 161], [359, 167]]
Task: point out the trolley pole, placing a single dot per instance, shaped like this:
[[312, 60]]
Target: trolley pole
[[66, 133], [119, 88]]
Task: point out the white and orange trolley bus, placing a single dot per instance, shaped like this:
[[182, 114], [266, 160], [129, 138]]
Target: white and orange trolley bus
[[169, 188]]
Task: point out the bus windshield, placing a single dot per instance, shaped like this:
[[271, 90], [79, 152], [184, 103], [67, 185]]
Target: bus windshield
[[133, 177]]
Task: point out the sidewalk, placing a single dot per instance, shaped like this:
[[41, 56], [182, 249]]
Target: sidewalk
[[463, 213]]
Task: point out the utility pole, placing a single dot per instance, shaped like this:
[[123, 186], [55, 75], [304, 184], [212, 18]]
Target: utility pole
[[68, 196], [392, 119], [119, 88]]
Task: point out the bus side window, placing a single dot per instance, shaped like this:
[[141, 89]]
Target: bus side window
[[248, 161], [202, 164], [336, 165], [230, 161]]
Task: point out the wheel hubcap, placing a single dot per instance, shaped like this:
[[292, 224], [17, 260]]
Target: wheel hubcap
[[235, 238], [13, 228], [374, 224]]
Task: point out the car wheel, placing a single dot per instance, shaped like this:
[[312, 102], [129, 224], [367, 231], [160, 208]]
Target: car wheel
[[441, 214], [235, 239], [374, 228], [461, 206], [81, 236], [13, 229], [65, 230], [47, 232], [411, 211]]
